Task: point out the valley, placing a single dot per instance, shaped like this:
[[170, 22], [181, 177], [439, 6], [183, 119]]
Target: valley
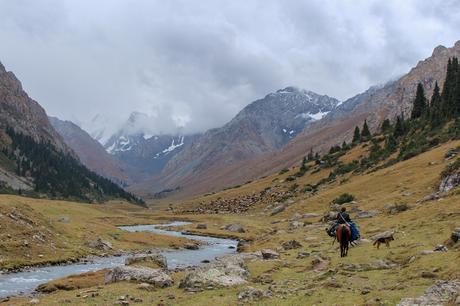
[[216, 181], [308, 272]]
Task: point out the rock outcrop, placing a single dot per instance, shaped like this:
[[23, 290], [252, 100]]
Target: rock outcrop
[[157, 277], [441, 293], [224, 272]]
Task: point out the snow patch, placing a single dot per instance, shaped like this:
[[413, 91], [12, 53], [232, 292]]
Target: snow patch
[[171, 148]]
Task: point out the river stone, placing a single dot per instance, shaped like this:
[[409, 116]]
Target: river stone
[[155, 259], [270, 254], [242, 246], [191, 246], [235, 227], [157, 277], [441, 293], [100, 244]]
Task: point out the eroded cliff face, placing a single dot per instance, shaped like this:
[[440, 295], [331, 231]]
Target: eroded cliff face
[[24, 114]]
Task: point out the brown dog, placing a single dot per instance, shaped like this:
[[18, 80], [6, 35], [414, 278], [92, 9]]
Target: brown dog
[[385, 240]]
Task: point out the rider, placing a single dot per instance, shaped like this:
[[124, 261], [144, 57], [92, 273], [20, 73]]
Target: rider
[[344, 218]]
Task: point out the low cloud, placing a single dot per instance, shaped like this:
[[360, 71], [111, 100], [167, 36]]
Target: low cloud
[[193, 65]]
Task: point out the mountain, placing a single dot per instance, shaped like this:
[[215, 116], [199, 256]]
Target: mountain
[[146, 154], [91, 153], [373, 105], [264, 126], [34, 159]]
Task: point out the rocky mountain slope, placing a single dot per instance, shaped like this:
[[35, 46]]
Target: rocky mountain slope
[[18, 110], [264, 126], [375, 104], [91, 153], [35, 159]]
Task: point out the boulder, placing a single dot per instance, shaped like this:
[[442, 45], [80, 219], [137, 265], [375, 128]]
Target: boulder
[[241, 246], [151, 259], [294, 225], [291, 244], [270, 254], [329, 216], [100, 244], [449, 181], [441, 293], [278, 209], [375, 265], [224, 272], [302, 255], [296, 217], [252, 294], [235, 227], [157, 277], [191, 246], [201, 226], [440, 248], [430, 197], [455, 237], [367, 214], [310, 215]]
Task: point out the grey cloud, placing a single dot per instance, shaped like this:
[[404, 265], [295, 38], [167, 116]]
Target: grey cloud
[[192, 65]]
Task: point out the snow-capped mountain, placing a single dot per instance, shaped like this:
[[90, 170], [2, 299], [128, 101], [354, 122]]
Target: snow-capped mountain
[[264, 126], [142, 150]]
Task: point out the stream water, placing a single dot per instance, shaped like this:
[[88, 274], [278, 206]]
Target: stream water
[[25, 282]]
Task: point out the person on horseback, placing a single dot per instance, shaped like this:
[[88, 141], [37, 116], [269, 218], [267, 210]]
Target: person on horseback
[[344, 218]]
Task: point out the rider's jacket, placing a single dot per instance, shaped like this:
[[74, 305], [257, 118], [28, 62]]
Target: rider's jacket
[[343, 217]]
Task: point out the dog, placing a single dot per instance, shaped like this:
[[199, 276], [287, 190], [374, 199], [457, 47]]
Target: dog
[[385, 240]]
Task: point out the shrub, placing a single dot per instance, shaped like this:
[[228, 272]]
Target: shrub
[[343, 198], [283, 171]]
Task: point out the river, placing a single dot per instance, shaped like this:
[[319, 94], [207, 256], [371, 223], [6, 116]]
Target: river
[[25, 282]]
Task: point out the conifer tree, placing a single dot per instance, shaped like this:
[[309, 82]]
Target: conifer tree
[[399, 127], [390, 144], [386, 125], [435, 107], [356, 136], [419, 109], [344, 146], [365, 133], [310, 155], [303, 167]]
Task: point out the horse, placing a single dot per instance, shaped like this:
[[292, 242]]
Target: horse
[[343, 236]]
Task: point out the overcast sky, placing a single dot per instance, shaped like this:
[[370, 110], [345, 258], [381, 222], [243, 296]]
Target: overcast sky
[[195, 64]]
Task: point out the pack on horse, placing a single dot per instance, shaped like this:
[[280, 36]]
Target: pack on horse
[[344, 230]]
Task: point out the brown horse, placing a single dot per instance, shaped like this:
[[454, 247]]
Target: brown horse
[[343, 236]]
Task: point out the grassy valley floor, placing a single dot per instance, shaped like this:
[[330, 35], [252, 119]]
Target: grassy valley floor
[[311, 274]]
